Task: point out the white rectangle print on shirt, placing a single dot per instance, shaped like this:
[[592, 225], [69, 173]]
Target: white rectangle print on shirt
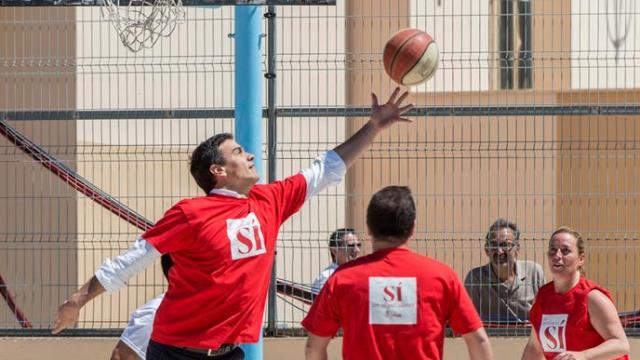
[[552, 332], [392, 300], [245, 237]]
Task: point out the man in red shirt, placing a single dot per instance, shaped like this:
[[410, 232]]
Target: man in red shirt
[[223, 244], [394, 303]]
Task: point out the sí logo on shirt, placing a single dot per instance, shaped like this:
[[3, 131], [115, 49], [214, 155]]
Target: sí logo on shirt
[[552, 332], [245, 237], [392, 300]]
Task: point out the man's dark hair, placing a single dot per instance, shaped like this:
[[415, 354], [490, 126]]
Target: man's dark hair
[[337, 239], [503, 224], [167, 263], [391, 213], [205, 155]]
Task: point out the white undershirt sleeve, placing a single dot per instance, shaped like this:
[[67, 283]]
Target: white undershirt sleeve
[[327, 169], [114, 273]]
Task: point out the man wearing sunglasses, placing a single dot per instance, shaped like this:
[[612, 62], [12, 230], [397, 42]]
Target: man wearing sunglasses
[[504, 289], [344, 246]]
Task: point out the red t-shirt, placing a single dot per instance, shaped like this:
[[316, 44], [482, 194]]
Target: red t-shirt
[[561, 321], [222, 248], [392, 304]]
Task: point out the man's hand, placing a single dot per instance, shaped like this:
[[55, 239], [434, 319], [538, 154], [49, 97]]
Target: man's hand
[[383, 116], [67, 315], [69, 312]]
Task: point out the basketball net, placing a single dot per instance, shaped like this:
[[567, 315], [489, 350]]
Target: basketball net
[[140, 23]]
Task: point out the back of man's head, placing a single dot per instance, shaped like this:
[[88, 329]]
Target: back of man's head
[[391, 214]]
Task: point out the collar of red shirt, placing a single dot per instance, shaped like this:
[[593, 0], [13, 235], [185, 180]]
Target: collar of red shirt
[[226, 192]]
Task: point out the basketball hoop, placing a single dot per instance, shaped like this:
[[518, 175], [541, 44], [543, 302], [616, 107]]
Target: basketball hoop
[[140, 23]]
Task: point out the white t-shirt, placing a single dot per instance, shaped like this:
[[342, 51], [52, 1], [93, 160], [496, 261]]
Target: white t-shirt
[[138, 331], [319, 282]]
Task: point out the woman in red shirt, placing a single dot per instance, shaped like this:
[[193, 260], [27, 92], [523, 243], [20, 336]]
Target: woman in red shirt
[[573, 318]]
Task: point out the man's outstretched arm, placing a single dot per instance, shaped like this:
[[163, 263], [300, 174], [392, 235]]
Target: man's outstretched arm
[[69, 312], [330, 167], [111, 276], [382, 117]]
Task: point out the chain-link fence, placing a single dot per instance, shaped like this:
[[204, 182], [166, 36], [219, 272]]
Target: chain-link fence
[[532, 116]]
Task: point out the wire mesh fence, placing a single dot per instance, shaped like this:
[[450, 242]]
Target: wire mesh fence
[[532, 116]]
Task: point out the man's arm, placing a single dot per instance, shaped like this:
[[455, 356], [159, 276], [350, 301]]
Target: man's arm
[[382, 116], [111, 276], [316, 348], [478, 345], [69, 311], [330, 167]]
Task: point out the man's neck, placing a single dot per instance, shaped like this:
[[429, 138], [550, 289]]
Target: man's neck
[[378, 245], [239, 190]]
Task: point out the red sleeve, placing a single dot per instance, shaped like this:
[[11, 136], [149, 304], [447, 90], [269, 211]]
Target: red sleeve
[[288, 195], [463, 317], [323, 318], [171, 233]]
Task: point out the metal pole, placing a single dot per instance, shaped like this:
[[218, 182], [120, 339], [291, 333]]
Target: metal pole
[[248, 81], [248, 102], [271, 146]]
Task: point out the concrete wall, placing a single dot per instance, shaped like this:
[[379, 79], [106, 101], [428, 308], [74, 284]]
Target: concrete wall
[[38, 213]]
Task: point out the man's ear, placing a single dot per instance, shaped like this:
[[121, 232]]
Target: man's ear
[[217, 170], [413, 230]]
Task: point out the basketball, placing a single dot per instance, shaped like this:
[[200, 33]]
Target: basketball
[[411, 57]]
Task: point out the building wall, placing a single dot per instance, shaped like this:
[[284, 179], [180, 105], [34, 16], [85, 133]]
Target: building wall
[[540, 171], [38, 213]]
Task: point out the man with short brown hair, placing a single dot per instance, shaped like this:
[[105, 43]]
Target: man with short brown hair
[[393, 303]]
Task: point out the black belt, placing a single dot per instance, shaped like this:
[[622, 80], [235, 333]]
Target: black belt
[[222, 350]]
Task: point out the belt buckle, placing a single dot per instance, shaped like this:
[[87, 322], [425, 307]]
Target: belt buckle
[[223, 349]]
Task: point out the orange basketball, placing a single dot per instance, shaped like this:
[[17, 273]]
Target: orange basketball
[[411, 57]]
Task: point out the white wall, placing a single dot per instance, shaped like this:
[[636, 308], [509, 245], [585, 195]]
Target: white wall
[[593, 57], [461, 30]]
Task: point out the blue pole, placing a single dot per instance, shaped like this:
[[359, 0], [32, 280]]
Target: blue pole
[[248, 81], [248, 102], [253, 351]]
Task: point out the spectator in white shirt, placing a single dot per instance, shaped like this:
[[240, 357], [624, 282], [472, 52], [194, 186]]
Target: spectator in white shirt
[[344, 246]]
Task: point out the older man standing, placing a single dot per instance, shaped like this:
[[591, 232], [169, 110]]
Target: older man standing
[[504, 289]]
